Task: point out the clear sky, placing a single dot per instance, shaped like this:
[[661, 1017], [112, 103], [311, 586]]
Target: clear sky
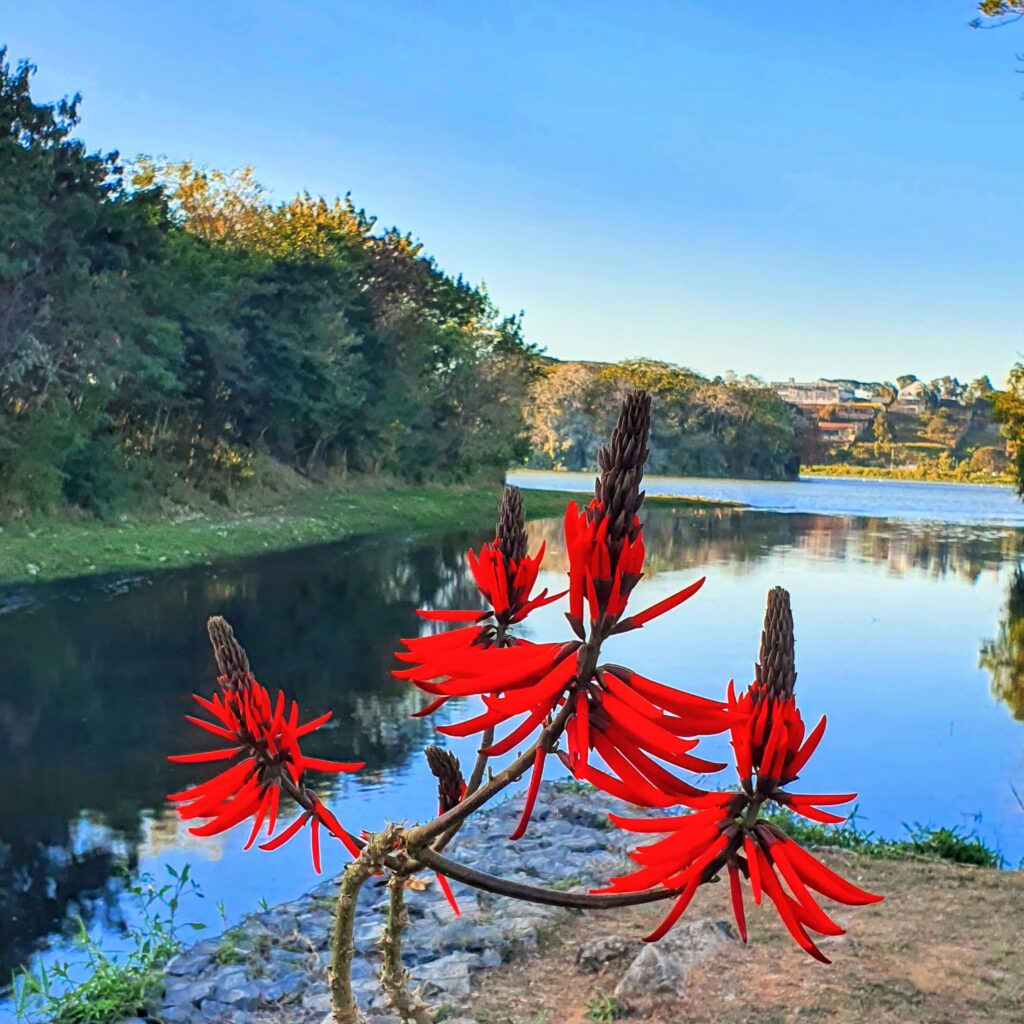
[[774, 189]]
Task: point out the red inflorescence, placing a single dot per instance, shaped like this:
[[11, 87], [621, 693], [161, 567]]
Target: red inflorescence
[[726, 832], [628, 720], [266, 761]]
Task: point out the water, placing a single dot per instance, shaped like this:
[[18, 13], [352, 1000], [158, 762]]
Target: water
[[894, 617], [993, 504]]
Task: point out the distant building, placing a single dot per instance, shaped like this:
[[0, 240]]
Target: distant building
[[845, 433], [818, 392], [914, 397]]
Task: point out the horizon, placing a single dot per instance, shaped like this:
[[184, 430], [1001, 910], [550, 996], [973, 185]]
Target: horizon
[[748, 192]]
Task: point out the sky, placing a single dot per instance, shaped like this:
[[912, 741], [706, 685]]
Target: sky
[[770, 189]]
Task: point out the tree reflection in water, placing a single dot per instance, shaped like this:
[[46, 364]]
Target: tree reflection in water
[[97, 677], [1003, 656]]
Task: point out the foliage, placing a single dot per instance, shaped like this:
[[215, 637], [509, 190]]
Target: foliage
[[1003, 655], [166, 329], [999, 10], [702, 427], [116, 986], [604, 1008], [1008, 409], [933, 843]]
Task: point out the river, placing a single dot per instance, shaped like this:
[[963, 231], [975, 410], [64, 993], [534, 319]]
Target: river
[[909, 612]]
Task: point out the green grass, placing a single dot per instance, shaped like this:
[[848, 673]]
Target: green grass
[[929, 474], [949, 844], [114, 986], [54, 549], [604, 1008]]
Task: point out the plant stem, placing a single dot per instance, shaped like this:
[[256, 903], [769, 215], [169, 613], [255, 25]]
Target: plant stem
[[477, 775], [394, 978], [343, 947]]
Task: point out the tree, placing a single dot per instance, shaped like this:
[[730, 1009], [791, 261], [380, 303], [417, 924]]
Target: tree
[[1008, 410], [886, 393], [979, 388], [940, 427], [882, 433], [904, 379], [176, 331], [993, 13]]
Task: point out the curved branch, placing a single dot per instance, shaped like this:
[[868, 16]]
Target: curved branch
[[534, 894]]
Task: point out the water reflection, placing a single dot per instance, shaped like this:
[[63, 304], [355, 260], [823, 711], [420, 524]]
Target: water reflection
[[1003, 655], [97, 678], [681, 539]]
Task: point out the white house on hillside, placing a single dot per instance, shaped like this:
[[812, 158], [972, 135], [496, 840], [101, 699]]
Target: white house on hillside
[[818, 392]]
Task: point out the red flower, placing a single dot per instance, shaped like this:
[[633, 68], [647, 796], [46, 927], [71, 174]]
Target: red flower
[[725, 830], [603, 573], [627, 719], [265, 761], [700, 844], [768, 739]]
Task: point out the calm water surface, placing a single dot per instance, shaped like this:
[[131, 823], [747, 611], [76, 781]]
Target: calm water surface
[[844, 496], [910, 627]]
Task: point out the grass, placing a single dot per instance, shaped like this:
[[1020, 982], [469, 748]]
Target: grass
[[116, 987], [604, 1008], [929, 474], [948, 844], [54, 549]]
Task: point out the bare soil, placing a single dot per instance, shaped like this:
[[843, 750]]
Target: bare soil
[[946, 947]]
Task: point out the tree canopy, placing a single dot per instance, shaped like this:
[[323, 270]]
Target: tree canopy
[[702, 427], [168, 328]]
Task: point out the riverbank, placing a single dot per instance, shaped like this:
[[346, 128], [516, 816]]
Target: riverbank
[[942, 947], [928, 475], [55, 549]]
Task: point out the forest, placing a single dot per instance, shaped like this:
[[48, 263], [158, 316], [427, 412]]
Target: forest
[[703, 427], [169, 331]]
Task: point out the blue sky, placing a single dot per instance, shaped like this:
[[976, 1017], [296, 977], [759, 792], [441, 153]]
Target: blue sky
[[763, 188]]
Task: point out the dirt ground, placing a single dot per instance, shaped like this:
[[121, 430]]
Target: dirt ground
[[946, 947]]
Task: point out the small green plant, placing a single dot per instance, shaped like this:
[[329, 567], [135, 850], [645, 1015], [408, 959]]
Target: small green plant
[[934, 843], [565, 884], [601, 1007], [117, 985], [229, 951]]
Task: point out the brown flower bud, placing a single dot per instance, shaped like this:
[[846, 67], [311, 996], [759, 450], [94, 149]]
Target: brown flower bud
[[622, 468], [511, 531], [776, 665], [445, 767], [232, 661]]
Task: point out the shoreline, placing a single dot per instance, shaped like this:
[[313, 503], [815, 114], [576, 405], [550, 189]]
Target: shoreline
[[506, 961], [54, 549], [905, 476], [268, 968]]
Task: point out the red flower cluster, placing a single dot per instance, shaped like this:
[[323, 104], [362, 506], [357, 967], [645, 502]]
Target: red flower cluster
[[627, 719], [725, 830], [265, 762], [604, 573]]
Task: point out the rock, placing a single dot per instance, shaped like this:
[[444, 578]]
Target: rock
[[662, 968], [188, 993], [450, 976], [592, 956], [284, 951], [317, 1002], [244, 996]]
